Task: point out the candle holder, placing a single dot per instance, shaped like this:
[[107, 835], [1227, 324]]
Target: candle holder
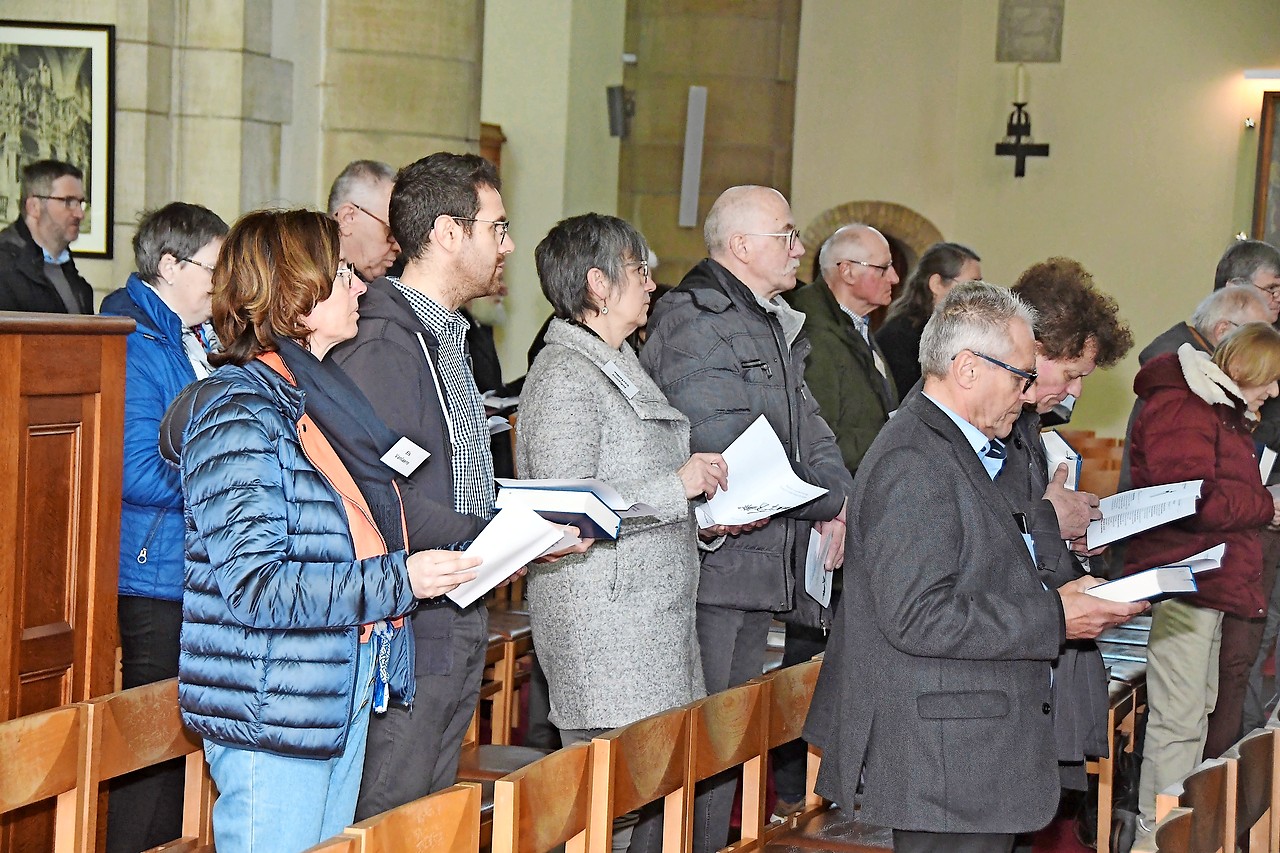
[[1018, 142]]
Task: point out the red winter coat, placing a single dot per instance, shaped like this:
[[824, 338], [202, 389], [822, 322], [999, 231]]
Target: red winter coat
[[1192, 427]]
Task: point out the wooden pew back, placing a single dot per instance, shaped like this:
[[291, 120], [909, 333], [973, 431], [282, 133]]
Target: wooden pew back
[[1210, 792], [1257, 805], [42, 755], [445, 822], [638, 764], [731, 729], [546, 804]]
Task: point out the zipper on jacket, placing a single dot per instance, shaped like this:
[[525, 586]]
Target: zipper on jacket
[[155, 525]]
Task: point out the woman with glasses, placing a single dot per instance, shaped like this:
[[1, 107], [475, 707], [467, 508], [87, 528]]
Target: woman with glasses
[[940, 267], [297, 574], [614, 626], [168, 298], [1197, 417]]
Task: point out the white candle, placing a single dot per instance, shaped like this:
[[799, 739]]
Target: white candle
[[1020, 84]]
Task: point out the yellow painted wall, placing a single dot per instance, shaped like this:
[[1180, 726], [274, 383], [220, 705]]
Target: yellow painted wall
[[1150, 172], [546, 66]]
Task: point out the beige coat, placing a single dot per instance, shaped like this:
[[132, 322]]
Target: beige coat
[[614, 628]]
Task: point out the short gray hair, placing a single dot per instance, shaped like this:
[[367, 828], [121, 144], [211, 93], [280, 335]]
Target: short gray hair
[[1242, 260], [177, 229], [1233, 304], [575, 246], [356, 175], [973, 316], [845, 234]]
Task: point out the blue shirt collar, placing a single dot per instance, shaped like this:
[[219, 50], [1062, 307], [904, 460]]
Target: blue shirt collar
[[59, 260], [979, 442]]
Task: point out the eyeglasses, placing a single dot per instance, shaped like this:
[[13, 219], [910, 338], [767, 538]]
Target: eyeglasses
[[1273, 291], [1029, 376], [70, 202], [883, 268], [384, 223], [200, 264], [500, 227], [792, 236], [642, 267], [345, 272]]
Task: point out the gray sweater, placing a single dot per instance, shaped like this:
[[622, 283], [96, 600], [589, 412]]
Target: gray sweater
[[614, 627]]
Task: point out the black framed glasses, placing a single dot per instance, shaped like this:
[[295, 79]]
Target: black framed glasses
[[883, 268], [200, 264], [792, 236], [500, 226], [384, 223], [1030, 377], [70, 202]]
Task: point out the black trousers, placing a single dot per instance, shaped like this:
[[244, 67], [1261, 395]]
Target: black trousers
[[145, 808], [790, 759]]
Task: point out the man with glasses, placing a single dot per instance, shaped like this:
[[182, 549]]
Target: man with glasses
[[37, 272], [936, 683], [359, 200], [726, 349], [853, 387], [409, 358], [1253, 263]]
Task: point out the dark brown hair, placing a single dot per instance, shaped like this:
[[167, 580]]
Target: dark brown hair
[[274, 267], [1072, 311]]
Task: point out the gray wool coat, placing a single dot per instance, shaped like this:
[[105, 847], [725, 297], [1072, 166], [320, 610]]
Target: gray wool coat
[[614, 628]]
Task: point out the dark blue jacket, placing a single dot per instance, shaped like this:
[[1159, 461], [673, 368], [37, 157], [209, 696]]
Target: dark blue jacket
[[156, 369], [275, 593]]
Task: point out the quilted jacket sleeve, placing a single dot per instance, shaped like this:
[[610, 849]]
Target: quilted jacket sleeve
[[277, 541]]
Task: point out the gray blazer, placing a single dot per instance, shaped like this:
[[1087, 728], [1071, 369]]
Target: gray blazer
[[937, 674], [614, 628]]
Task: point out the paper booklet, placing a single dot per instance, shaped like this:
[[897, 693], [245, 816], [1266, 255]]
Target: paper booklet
[[1132, 512], [602, 490], [817, 580], [514, 537], [1058, 451], [761, 482]]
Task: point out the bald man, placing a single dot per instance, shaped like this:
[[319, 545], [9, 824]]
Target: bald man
[[725, 349]]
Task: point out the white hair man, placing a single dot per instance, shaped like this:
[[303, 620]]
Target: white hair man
[[359, 200]]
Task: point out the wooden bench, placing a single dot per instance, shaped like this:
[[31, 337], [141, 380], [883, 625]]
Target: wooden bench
[[1257, 805], [637, 765], [47, 750], [546, 804], [1210, 792], [1172, 835], [142, 727], [726, 730], [445, 822]]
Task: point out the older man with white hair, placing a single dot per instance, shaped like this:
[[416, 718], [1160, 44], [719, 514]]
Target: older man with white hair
[[725, 349], [360, 200]]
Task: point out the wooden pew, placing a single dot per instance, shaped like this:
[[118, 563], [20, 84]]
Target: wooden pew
[[726, 730], [142, 727], [790, 694], [445, 822], [1210, 792], [545, 805], [636, 765], [1172, 835], [1257, 805], [42, 756]]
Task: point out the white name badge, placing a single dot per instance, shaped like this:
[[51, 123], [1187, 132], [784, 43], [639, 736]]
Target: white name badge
[[628, 388], [404, 457]]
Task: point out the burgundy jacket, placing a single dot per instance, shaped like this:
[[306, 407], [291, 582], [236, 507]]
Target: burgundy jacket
[[1191, 428]]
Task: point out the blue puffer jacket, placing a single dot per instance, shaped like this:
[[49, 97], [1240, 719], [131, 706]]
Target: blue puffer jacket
[[280, 572], [156, 369]]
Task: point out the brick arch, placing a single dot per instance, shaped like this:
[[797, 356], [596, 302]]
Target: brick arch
[[895, 221]]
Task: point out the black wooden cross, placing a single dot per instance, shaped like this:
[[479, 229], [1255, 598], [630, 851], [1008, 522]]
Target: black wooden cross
[[1019, 128]]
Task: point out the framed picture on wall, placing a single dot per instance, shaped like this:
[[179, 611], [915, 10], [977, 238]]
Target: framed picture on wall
[[57, 102], [1266, 194]]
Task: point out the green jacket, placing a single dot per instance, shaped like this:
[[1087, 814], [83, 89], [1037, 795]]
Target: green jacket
[[854, 398]]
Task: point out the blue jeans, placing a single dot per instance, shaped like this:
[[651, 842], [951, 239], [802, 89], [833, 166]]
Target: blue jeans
[[270, 803]]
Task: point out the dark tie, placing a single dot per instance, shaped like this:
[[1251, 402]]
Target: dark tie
[[995, 450]]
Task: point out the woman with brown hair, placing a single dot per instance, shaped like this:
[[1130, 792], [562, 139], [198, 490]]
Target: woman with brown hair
[[296, 570], [1195, 424]]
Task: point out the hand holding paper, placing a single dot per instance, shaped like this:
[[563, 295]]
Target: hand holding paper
[[514, 537], [762, 482]]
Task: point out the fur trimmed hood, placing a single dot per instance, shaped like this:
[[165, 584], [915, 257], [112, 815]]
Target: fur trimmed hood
[[1196, 371]]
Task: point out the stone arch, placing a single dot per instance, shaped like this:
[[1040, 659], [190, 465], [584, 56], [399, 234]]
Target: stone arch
[[901, 225]]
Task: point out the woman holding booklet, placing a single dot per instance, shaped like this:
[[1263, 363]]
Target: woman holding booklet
[[1195, 423], [614, 627], [296, 562]]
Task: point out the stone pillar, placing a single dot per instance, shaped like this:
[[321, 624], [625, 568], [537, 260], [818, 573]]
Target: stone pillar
[[745, 54]]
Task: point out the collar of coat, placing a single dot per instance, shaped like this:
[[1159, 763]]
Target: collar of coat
[[1206, 380], [649, 401]]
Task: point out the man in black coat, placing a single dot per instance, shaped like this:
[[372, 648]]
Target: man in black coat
[[37, 272]]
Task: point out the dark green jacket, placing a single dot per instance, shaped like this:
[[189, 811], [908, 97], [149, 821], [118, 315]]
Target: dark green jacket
[[855, 400]]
